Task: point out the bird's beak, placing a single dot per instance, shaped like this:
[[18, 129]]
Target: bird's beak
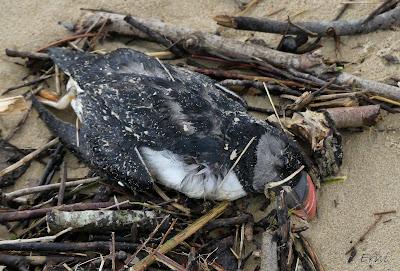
[[307, 196]]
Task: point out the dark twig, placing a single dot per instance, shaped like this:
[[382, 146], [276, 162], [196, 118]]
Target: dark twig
[[30, 83], [51, 166], [201, 43], [61, 190], [155, 36], [25, 54], [341, 11], [227, 222], [369, 229], [98, 246], [384, 7], [342, 28], [273, 88], [36, 213]]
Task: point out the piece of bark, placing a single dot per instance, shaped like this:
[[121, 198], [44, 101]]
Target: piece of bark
[[198, 42], [342, 28], [320, 137], [269, 252], [94, 220], [352, 117]]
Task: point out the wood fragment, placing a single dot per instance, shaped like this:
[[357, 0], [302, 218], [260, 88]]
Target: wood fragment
[[61, 190], [38, 239], [165, 197], [97, 220], [143, 245], [386, 212], [227, 222], [352, 117], [13, 104], [198, 42], [182, 236], [26, 54], [364, 235], [195, 42], [43, 188], [342, 28], [269, 252], [98, 246], [37, 213], [311, 253]]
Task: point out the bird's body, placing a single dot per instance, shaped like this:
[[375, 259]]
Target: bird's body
[[141, 120]]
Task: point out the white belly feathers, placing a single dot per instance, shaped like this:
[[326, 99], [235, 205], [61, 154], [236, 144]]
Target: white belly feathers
[[192, 180]]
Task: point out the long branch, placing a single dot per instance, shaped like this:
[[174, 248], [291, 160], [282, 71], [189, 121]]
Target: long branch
[[342, 28]]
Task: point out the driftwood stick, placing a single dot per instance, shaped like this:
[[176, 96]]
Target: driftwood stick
[[43, 188], [195, 42], [37, 239], [198, 42], [99, 246], [28, 157], [351, 117], [25, 54], [157, 37], [36, 213], [94, 220], [273, 88], [182, 236], [342, 28]]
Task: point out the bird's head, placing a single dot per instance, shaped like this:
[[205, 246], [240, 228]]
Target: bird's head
[[280, 163]]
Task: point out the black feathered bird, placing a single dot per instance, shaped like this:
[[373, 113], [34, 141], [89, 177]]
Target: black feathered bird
[[142, 120]]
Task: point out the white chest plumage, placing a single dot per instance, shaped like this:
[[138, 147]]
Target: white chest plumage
[[195, 181]]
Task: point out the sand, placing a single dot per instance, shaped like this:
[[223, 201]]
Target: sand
[[371, 157]]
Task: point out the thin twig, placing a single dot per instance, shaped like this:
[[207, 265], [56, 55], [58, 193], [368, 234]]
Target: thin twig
[[61, 190], [183, 235], [273, 106], [43, 188], [38, 239], [28, 157], [143, 245]]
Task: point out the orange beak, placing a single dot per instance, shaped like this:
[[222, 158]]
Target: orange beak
[[308, 210]]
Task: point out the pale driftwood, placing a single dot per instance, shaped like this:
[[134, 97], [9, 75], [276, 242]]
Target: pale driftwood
[[198, 42], [269, 254], [351, 117], [195, 42], [342, 28], [95, 220], [37, 239], [42, 188]]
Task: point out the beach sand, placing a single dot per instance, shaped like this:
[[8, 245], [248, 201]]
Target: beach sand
[[371, 157]]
